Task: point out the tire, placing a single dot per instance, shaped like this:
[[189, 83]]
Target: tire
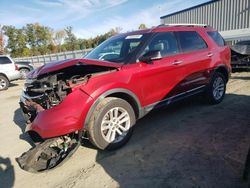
[[105, 132], [24, 72], [216, 89], [4, 83]]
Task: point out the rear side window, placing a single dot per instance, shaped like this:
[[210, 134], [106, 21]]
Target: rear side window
[[216, 37], [164, 42], [190, 41], [5, 60]]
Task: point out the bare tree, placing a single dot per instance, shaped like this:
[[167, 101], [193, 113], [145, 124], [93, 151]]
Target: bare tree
[[59, 38]]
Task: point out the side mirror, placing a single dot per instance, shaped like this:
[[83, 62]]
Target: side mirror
[[150, 56]]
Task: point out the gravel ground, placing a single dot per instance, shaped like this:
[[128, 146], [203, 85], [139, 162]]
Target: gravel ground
[[188, 144]]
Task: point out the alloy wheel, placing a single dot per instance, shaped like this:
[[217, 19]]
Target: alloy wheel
[[3, 83], [218, 88], [24, 73], [115, 125]]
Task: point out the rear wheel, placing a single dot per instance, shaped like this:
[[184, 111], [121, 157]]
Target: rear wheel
[[24, 73], [216, 89], [4, 83], [111, 124]]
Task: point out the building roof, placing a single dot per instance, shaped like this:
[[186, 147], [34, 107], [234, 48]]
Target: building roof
[[200, 5]]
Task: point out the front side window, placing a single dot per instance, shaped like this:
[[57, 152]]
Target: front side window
[[5, 60], [164, 42], [117, 49], [190, 41], [217, 38]]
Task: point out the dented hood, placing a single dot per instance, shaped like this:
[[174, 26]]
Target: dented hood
[[55, 66]]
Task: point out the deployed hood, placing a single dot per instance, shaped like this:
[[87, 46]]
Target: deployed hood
[[55, 66]]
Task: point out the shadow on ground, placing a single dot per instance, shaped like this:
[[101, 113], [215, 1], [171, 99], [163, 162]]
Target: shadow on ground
[[188, 144], [13, 84], [234, 70], [20, 122], [7, 175], [240, 78]]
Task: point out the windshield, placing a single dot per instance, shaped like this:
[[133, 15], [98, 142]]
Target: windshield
[[117, 49]]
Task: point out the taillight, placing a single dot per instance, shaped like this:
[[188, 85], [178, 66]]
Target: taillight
[[16, 67]]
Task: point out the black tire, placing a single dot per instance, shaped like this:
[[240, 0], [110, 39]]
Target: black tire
[[23, 72], [4, 83], [102, 111], [210, 94]]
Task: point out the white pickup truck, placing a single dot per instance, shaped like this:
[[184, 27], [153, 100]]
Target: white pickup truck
[[8, 72]]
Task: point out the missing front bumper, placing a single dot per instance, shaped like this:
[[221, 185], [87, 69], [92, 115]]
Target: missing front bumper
[[47, 155]]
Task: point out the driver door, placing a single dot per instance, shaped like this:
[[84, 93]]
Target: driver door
[[160, 77]]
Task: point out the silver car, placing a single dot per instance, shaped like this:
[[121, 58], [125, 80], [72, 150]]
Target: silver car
[[8, 72], [24, 68]]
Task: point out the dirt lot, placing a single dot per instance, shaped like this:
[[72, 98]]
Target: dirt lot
[[188, 144]]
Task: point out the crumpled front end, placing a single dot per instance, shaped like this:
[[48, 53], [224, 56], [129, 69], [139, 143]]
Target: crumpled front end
[[56, 127], [66, 117], [54, 106]]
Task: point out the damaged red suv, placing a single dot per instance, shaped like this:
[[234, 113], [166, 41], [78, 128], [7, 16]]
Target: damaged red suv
[[102, 95]]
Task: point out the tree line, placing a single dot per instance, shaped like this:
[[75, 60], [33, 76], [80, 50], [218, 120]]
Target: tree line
[[36, 39]]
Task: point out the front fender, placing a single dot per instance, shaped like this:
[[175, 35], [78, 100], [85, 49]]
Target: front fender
[[65, 118]]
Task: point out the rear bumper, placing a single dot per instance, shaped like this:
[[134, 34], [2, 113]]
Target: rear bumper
[[65, 118]]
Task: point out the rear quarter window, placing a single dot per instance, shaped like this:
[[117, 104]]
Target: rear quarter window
[[216, 38], [190, 41], [5, 60]]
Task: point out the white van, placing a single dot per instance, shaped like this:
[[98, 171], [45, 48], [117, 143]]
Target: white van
[[8, 72]]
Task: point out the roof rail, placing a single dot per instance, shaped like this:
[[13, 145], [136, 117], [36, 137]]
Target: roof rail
[[184, 24]]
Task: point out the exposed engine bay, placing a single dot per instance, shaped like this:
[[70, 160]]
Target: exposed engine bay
[[44, 92], [50, 89]]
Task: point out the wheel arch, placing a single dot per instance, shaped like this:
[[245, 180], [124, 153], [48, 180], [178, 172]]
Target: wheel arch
[[130, 99], [2, 74], [121, 93], [224, 71], [24, 68]]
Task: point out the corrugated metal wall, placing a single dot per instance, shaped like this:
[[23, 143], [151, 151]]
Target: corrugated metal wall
[[221, 15]]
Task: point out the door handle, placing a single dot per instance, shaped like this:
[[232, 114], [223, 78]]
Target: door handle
[[210, 54], [177, 62]]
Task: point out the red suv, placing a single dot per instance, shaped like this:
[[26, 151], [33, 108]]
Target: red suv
[[102, 95]]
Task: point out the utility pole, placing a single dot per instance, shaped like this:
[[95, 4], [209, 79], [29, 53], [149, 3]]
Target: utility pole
[[1, 41]]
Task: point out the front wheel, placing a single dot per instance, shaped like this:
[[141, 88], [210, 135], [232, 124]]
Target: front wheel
[[216, 89], [111, 124]]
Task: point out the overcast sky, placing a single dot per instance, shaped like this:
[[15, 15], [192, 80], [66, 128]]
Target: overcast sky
[[90, 17]]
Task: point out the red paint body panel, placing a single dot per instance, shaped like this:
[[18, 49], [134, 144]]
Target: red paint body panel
[[150, 83], [54, 66], [65, 118]]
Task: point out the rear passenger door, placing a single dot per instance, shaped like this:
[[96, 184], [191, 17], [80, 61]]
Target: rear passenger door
[[196, 59]]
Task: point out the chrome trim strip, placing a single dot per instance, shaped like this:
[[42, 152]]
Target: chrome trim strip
[[169, 100], [193, 81]]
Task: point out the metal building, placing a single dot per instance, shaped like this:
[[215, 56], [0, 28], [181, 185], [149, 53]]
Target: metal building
[[230, 17]]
